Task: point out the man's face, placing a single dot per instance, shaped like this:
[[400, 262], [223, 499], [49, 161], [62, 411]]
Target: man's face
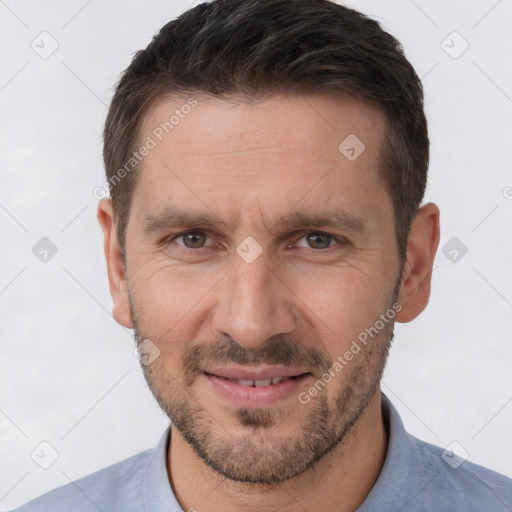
[[259, 287]]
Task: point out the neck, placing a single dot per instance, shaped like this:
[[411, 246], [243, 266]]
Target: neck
[[340, 481]]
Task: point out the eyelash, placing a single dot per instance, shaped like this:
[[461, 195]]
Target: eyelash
[[339, 240]]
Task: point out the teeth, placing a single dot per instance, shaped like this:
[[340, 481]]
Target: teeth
[[262, 382], [276, 380]]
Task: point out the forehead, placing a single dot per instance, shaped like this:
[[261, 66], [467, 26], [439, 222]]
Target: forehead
[[274, 151], [314, 120]]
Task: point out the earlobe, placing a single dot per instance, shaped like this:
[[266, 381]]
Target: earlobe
[[421, 250], [115, 265]]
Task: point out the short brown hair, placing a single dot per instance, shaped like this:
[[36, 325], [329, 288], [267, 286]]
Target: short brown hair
[[255, 48]]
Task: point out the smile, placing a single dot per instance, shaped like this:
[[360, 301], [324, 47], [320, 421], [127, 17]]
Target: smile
[[259, 391]]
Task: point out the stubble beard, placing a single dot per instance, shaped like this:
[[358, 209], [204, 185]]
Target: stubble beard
[[263, 454]]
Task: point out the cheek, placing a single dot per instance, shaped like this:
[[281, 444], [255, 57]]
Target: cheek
[[168, 301], [341, 303], [165, 284]]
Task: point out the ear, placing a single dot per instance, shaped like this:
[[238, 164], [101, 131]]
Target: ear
[[417, 272], [115, 265]]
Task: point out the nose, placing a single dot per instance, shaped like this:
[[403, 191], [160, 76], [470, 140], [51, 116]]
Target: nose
[[253, 304]]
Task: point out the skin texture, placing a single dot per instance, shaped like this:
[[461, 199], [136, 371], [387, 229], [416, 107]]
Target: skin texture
[[301, 302]]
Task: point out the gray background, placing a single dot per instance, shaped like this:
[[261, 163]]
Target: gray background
[[68, 374]]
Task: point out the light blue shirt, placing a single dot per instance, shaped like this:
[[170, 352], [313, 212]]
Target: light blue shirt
[[416, 476]]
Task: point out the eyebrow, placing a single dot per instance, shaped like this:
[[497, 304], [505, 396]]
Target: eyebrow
[[172, 217]]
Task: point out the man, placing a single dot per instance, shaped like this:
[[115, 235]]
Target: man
[[267, 160]]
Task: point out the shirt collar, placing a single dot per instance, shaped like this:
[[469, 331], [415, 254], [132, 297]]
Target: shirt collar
[[157, 494], [405, 470]]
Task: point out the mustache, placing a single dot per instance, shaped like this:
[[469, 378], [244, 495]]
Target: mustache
[[275, 351]]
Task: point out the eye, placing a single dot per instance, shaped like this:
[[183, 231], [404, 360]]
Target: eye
[[191, 239], [319, 240], [312, 240]]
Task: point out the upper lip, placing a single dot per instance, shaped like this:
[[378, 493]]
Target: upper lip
[[260, 373]]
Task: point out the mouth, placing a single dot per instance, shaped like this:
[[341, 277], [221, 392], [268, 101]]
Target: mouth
[[257, 383], [255, 388]]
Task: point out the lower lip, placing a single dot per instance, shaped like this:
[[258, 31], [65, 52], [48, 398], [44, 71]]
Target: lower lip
[[253, 397]]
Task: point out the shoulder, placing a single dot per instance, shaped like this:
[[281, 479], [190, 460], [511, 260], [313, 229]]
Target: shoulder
[[452, 479], [112, 488]]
